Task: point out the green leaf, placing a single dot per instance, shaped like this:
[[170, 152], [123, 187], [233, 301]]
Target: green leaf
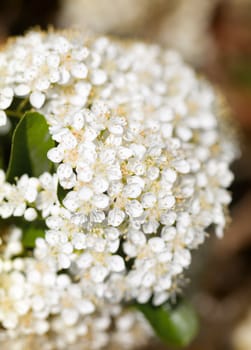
[[61, 193], [176, 325], [30, 143], [31, 231]]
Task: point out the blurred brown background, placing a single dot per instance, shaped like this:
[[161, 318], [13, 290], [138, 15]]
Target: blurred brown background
[[215, 37]]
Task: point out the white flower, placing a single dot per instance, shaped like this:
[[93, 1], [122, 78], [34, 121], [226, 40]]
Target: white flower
[[37, 99], [6, 97], [115, 217], [15, 198], [14, 300], [47, 199]]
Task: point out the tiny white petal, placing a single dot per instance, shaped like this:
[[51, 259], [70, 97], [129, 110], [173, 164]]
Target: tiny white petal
[[115, 217], [101, 201], [98, 77], [22, 90], [134, 208], [56, 154], [132, 190], [30, 214], [79, 70], [98, 273], [37, 99], [157, 244], [86, 307], [166, 202], [116, 263], [182, 166]]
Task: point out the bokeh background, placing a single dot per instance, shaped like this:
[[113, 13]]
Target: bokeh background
[[215, 37]]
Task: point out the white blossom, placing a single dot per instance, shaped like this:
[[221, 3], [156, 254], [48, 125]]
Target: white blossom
[[142, 157]]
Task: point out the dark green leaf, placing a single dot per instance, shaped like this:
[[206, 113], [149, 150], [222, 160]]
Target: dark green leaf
[[30, 143], [174, 325], [31, 231], [6, 143], [61, 193]]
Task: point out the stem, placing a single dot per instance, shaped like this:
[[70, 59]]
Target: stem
[[22, 105], [14, 114]]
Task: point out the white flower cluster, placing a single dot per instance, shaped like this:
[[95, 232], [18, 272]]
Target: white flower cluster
[[143, 152], [35, 300], [111, 330]]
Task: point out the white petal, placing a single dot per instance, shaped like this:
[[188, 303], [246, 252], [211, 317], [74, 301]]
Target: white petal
[[37, 99], [116, 263]]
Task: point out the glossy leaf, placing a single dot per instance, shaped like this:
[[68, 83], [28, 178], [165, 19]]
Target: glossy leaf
[[30, 143], [176, 325]]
